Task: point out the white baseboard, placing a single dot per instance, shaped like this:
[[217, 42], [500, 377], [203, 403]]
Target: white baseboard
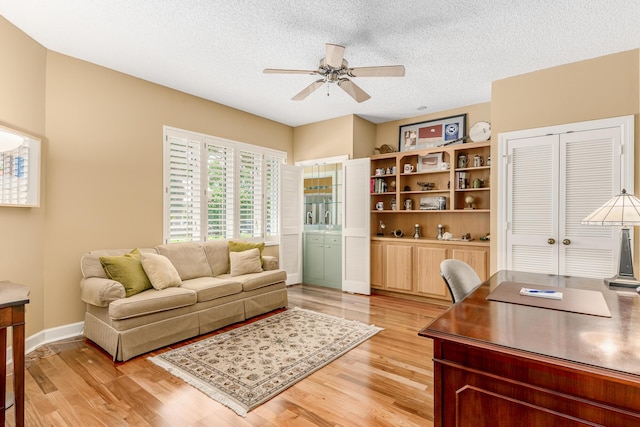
[[47, 336]]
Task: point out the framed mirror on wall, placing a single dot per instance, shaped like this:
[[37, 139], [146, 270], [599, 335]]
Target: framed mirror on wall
[[19, 169]]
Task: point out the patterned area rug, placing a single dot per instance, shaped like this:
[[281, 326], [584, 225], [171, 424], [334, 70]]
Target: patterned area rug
[[247, 366]]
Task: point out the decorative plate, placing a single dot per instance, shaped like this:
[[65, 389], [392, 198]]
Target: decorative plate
[[480, 131]]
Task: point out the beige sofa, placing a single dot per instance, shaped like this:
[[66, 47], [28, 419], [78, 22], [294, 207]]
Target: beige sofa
[[207, 299]]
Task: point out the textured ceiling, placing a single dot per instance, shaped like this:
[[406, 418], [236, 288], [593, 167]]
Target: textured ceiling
[[216, 49]]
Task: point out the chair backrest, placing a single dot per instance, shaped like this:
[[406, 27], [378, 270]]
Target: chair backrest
[[459, 277]]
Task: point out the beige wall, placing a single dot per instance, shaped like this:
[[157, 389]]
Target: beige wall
[[102, 158], [22, 98], [364, 136], [595, 89], [351, 135], [327, 138], [105, 157]]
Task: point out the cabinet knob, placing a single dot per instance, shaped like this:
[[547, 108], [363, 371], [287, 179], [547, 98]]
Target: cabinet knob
[[551, 241], [566, 242]]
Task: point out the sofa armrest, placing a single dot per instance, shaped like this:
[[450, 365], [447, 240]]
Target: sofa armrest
[[99, 291], [269, 263]]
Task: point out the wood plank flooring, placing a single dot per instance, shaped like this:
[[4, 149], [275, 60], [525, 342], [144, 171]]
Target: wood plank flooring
[[385, 381]]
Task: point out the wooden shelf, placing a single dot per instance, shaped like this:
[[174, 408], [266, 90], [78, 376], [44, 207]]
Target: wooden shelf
[[411, 266]]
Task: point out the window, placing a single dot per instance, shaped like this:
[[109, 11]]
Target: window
[[219, 189]]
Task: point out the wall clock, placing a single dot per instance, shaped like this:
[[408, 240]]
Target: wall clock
[[480, 131]]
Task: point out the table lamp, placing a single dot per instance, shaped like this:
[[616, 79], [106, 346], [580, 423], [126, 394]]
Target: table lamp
[[622, 210]]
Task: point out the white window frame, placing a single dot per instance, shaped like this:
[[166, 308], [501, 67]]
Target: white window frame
[[267, 229]]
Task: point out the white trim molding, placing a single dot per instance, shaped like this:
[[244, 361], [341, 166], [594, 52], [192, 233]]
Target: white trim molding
[[48, 336]]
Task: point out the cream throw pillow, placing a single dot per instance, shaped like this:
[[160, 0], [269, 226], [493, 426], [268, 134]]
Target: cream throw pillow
[[162, 274], [245, 262]]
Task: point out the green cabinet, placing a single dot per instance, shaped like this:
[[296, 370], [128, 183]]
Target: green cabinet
[[323, 259]]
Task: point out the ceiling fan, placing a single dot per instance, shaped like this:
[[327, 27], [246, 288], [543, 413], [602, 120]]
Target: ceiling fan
[[335, 69]]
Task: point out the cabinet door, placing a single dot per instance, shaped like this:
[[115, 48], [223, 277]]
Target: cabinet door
[[313, 262], [476, 258], [398, 267], [333, 265], [376, 265], [355, 226], [291, 214], [427, 271]]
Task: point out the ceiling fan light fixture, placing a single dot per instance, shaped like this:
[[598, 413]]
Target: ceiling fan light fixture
[[334, 67]]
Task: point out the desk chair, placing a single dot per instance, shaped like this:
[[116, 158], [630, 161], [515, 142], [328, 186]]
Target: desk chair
[[459, 277]]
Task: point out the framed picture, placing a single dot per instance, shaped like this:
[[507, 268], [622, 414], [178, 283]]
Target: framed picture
[[430, 162], [433, 133], [429, 203]]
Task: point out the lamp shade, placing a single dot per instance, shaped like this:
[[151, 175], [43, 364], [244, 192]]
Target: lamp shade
[[623, 210]]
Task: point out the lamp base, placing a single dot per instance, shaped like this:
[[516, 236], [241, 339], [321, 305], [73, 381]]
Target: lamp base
[[622, 281], [625, 277]]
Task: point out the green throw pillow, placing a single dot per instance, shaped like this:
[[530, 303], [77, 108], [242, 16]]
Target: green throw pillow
[[243, 246], [127, 269]]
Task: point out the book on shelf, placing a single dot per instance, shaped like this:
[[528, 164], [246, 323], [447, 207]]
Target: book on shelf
[[378, 185]]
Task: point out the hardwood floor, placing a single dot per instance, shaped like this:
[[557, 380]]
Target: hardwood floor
[[385, 381]]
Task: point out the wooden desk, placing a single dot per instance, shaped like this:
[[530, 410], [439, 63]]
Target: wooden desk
[[502, 364], [13, 298]]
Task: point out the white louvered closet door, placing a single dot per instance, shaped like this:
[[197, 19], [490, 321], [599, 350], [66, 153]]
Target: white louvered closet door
[[532, 204], [590, 165], [554, 181]]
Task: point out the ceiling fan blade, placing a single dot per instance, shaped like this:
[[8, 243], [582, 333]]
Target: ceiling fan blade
[[353, 90], [308, 90], [281, 71], [384, 71], [334, 55]]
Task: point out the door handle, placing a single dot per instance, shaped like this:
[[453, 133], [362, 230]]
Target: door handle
[[566, 242], [551, 240]]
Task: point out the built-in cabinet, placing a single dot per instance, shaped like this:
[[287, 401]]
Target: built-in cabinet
[[323, 259], [412, 266], [442, 186]]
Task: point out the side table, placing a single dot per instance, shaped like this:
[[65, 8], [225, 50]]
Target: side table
[[13, 298]]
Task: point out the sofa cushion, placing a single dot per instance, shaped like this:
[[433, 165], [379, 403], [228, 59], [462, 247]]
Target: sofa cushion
[[217, 252], [161, 273], [127, 269], [188, 258], [208, 288], [151, 301], [243, 246], [258, 280], [245, 262], [90, 265]]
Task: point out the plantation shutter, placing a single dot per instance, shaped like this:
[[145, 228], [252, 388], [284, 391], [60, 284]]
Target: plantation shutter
[[250, 194], [272, 198], [219, 189], [220, 215], [184, 190], [14, 176]]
